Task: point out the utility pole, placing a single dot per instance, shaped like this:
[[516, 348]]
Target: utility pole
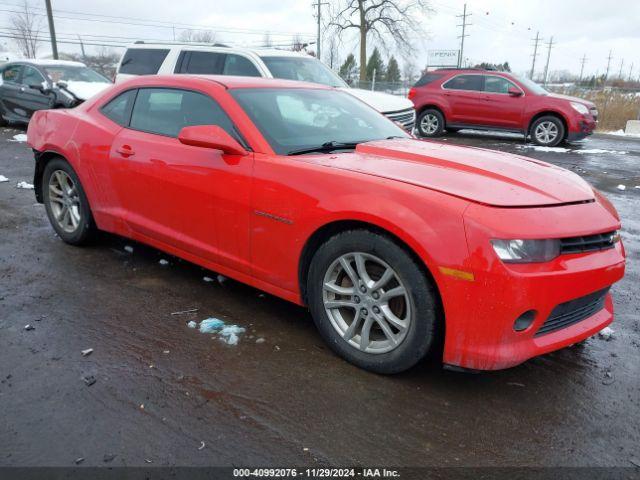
[[630, 71], [546, 67], [621, 65], [84, 54], [606, 74], [535, 54], [461, 37], [582, 62], [52, 30], [319, 5]]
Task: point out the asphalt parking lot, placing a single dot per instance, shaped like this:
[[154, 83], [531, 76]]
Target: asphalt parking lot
[[165, 394]]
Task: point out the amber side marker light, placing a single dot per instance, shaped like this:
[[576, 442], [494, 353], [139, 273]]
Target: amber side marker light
[[461, 274]]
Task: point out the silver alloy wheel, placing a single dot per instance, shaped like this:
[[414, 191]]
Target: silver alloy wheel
[[366, 302], [64, 201], [546, 132], [429, 124]]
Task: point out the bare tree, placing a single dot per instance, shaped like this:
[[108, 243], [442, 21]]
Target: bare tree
[[298, 45], [382, 19], [26, 26], [105, 60], [332, 52], [198, 36]]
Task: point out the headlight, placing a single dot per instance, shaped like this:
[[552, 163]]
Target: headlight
[[526, 251], [580, 108]]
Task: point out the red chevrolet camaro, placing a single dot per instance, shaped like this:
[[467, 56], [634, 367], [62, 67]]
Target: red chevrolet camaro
[[399, 247]]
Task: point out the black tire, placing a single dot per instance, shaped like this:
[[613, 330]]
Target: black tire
[[427, 117], [421, 335], [85, 229], [550, 121]]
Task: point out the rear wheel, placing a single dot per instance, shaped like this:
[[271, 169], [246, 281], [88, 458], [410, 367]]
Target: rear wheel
[[371, 302], [66, 203], [430, 123], [547, 131]]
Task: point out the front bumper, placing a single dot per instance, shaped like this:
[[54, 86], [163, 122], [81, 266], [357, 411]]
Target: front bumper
[[480, 314], [580, 127]]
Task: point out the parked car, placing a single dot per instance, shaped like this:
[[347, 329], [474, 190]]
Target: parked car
[[453, 99], [398, 246], [148, 59], [30, 85]]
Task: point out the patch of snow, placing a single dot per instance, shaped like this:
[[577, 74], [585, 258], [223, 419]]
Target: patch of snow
[[3, 179], [538, 148], [128, 249], [606, 333], [24, 185], [229, 334], [260, 340], [621, 133], [622, 187], [221, 279], [192, 324], [163, 262], [21, 137], [207, 279], [600, 150]]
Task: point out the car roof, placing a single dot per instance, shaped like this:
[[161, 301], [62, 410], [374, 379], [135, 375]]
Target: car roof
[[260, 51], [47, 62], [227, 81]]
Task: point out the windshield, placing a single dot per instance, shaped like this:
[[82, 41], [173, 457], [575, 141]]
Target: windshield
[[74, 74], [296, 119], [531, 85], [302, 69]]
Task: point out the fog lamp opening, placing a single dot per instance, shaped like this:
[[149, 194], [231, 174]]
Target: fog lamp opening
[[524, 321]]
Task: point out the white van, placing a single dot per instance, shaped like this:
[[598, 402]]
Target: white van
[[151, 59]]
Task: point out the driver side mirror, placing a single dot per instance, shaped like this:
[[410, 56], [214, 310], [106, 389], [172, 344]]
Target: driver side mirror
[[42, 87], [211, 136], [514, 92]]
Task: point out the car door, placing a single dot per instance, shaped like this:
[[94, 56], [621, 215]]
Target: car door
[[9, 93], [502, 109], [35, 93], [189, 198], [463, 93]]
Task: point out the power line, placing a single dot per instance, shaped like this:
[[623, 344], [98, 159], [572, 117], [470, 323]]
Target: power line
[[546, 67], [461, 37], [535, 54]]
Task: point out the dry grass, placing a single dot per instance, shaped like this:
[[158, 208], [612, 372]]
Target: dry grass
[[614, 107]]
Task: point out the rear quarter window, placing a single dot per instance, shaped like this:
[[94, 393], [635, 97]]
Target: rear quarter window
[[427, 78], [142, 61], [119, 109]]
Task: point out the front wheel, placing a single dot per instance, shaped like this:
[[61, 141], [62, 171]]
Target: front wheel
[[547, 131], [66, 203], [371, 302], [430, 123]]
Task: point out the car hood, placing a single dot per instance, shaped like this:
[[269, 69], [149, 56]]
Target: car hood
[[86, 90], [571, 99], [382, 102], [482, 176]]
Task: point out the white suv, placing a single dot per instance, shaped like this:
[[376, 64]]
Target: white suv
[[151, 59]]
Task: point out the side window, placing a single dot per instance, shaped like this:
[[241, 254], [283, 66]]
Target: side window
[[31, 76], [142, 61], [465, 82], [239, 65], [166, 111], [119, 109], [207, 63], [495, 84], [11, 74]]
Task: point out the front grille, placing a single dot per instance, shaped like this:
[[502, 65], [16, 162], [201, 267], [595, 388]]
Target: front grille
[[589, 243], [574, 311], [406, 118]]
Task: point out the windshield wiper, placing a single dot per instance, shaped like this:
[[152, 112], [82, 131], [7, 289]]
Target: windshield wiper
[[326, 147]]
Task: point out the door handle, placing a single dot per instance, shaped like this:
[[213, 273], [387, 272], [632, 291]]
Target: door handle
[[125, 151]]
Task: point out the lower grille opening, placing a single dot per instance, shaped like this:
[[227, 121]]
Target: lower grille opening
[[574, 311]]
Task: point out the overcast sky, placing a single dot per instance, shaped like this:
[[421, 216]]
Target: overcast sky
[[501, 30]]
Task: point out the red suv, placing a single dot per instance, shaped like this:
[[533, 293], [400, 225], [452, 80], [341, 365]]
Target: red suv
[[453, 99]]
